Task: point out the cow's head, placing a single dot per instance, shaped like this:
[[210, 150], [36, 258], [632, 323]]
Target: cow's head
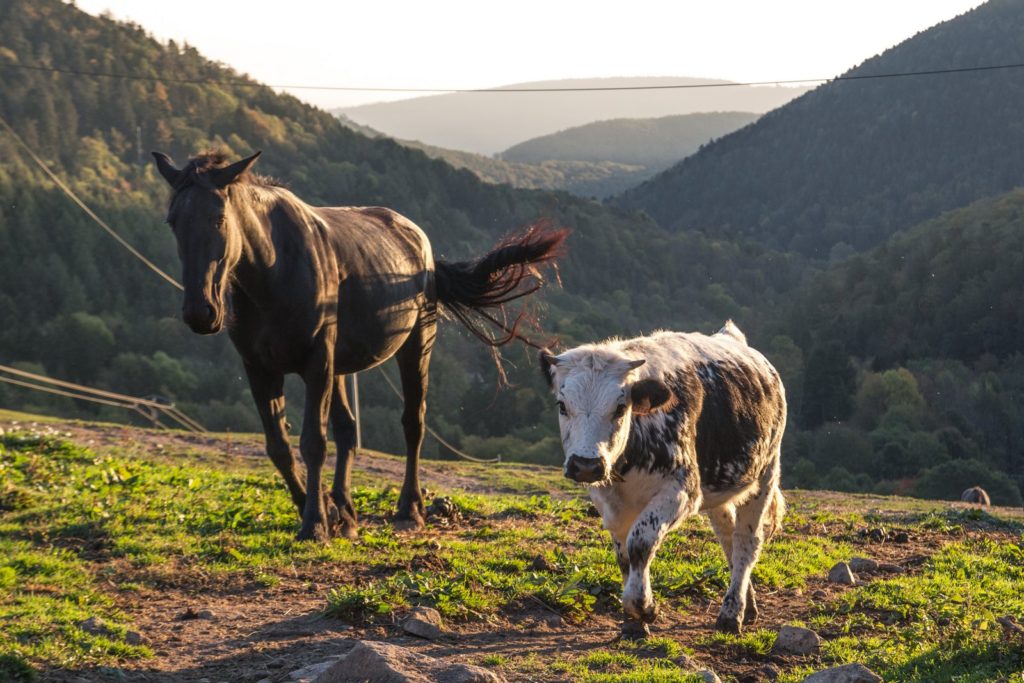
[[597, 393]]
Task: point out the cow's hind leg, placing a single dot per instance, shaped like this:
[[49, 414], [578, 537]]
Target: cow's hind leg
[[723, 521], [747, 539], [344, 425], [413, 364]]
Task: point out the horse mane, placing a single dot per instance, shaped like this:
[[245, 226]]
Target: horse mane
[[213, 159]]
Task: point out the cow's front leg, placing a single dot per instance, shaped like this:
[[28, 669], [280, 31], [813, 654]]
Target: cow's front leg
[[632, 629], [678, 499]]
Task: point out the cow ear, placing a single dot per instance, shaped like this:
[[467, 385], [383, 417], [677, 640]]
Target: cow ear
[[222, 177], [163, 164], [650, 395], [547, 364]]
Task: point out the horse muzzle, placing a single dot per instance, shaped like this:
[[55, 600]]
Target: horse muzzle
[[201, 317]]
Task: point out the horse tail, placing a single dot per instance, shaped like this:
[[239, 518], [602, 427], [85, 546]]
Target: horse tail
[[475, 292]]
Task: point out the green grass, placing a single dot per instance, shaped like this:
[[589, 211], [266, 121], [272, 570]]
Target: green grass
[[937, 625], [76, 526]]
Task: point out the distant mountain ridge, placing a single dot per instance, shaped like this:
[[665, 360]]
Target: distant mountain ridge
[[855, 161], [487, 123], [595, 160]]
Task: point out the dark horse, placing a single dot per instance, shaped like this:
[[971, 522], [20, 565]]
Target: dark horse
[[324, 292]]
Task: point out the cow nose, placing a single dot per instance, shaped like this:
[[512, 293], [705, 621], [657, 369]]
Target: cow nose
[[584, 470]]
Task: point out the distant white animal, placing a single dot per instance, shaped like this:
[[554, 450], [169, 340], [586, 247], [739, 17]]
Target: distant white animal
[[976, 495], [664, 426]]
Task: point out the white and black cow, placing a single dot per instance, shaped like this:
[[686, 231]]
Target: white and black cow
[[664, 426]]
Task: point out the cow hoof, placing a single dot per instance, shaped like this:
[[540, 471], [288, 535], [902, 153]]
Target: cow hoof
[[728, 624], [649, 613], [635, 630], [349, 531], [408, 523]]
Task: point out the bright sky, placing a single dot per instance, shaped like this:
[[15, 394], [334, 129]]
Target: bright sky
[[475, 43]]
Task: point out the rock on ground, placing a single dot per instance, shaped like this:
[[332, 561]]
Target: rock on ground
[[841, 573], [863, 564], [709, 676], [423, 622], [847, 673], [794, 640], [376, 662]]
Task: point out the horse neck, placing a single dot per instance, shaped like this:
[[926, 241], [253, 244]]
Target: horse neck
[[255, 271]]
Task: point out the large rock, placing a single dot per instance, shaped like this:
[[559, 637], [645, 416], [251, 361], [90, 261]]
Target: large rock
[[847, 673], [375, 662], [794, 640], [424, 622], [863, 564], [841, 573]]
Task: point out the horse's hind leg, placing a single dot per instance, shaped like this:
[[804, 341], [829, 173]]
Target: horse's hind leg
[[268, 393], [344, 425], [413, 364]]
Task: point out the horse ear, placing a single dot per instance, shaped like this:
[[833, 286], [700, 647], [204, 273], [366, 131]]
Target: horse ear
[[222, 177], [163, 164]]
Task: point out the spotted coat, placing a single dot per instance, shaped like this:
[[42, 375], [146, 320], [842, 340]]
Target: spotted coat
[[663, 426]]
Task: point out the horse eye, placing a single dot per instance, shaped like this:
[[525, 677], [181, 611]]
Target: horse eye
[[619, 411], [562, 410]]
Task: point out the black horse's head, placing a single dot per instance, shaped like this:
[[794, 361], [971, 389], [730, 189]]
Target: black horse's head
[[207, 229]]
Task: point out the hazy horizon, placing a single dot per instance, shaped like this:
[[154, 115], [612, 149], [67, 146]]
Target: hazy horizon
[[457, 45]]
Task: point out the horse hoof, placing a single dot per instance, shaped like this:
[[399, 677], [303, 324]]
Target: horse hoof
[[349, 531], [408, 524], [728, 624], [635, 630], [317, 533]]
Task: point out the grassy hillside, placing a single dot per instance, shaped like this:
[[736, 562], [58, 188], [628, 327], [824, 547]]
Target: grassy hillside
[[652, 143], [852, 162], [486, 123], [182, 555]]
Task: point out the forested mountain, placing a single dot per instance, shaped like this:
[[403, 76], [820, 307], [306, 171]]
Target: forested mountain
[[902, 364], [913, 360], [652, 143], [487, 123], [75, 305], [855, 161]]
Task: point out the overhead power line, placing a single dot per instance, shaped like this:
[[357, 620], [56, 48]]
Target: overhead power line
[[82, 205], [351, 88]]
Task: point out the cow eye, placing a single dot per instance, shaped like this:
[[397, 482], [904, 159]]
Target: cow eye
[[562, 410], [620, 410]]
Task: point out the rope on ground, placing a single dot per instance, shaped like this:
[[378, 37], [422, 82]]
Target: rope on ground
[[82, 205], [101, 396], [440, 439]]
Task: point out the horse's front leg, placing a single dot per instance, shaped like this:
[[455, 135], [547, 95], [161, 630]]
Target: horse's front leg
[[319, 378], [676, 500]]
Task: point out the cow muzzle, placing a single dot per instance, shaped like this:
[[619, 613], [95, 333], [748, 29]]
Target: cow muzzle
[[585, 470]]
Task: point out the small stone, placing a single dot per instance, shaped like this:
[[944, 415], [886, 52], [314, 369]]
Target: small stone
[[847, 673], [541, 564], [795, 640], [863, 564], [309, 673], [709, 676], [819, 594], [889, 567], [901, 537], [771, 672], [877, 534], [376, 661], [205, 614], [841, 574], [423, 622], [133, 638], [553, 620]]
